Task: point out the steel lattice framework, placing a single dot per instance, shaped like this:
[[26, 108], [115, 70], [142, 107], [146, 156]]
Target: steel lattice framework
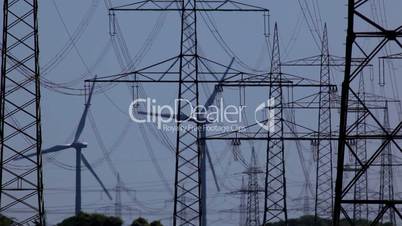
[[362, 28], [387, 175], [20, 127], [324, 176], [360, 190], [275, 182], [253, 206], [188, 155], [185, 70]]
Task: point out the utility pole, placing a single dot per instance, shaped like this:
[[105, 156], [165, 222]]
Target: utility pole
[[183, 71], [323, 147], [275, 182], [357, 33], [20, 116]]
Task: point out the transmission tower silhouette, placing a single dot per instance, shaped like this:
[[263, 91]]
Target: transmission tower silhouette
[[362, 28], [360, 211], [253, 190], [20, 115], [386, 190], [275, 186], [184, 70], [323, 147], [118, 203], [243, 203]]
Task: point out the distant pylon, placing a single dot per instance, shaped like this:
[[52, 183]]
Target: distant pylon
[[253, 189], [275, 182], [323, 146], [360, 211], [243, 205], [118, 203], [21, 191], [387, 175]]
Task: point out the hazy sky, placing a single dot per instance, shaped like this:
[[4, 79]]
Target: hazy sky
[[129, 151]]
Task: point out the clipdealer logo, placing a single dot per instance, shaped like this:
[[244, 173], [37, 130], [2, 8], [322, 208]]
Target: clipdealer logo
[[264, 115], [210, 116]]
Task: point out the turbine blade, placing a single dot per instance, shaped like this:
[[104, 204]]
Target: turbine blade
[[86, 163], [211, 98], [81, 124], [163, 115], [53, 149], [212, 167]]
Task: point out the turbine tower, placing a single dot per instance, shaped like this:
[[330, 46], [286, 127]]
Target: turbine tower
[[20, 115], [78, 145]]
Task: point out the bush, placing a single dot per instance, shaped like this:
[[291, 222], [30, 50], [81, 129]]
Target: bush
[[85, 219], [156, 223], [309, 220], [140, 222], [5, 221]]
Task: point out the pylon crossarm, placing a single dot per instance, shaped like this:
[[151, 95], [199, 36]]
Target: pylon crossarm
[[315, 61], [201, 5]]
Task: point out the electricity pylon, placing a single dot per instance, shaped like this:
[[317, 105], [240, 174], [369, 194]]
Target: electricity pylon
[[324, 180], [275, 182], [118, 207], [243, 204], [184, 70], [360, 190], [377, 36], [387, 175], [20, 116], [253, 190]]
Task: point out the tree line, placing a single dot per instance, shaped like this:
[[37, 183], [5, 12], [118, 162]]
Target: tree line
[[94, 219]]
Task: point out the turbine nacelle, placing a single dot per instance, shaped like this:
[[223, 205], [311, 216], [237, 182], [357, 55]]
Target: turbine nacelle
[[79, 145]]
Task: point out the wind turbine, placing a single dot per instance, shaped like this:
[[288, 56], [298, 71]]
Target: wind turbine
[[78, 146]]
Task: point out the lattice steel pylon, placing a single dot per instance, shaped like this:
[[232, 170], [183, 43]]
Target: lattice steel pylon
[[243, 204], [21, 192], [376, 36], [324, 169], [360, 190], [275, 181], [183, 71], [386, 190], [188, 155], [118, 207], [253, 189]]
